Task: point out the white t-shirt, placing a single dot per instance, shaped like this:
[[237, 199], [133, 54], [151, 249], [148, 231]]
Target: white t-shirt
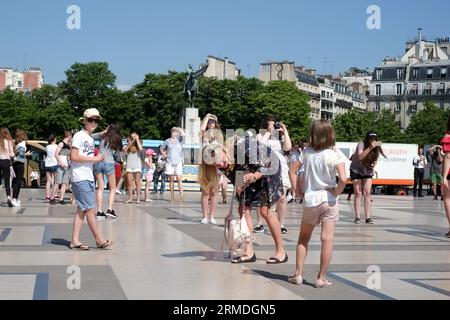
[[50, 160], [81, 171], [320, 174], [418, 163]]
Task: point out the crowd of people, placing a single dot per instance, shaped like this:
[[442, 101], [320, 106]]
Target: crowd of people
[[267, 170]]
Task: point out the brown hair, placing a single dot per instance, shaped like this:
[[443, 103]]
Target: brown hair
[[322, 135], [373, 155], [4, 135], [21, 135], [51, 138], [113, 137]]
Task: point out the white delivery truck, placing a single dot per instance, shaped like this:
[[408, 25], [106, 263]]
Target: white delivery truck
[[394, 175]]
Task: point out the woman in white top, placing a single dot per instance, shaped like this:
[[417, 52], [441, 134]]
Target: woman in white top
[[212, 142], [6, 156], [277, 138], [321, 204], [134, 166], [51, 169]]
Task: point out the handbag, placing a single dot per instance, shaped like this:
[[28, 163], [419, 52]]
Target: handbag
[[118, 157], [236, 233]]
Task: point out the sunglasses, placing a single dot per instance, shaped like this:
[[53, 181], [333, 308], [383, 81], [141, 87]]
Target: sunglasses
[[211, 122], [92, 120]]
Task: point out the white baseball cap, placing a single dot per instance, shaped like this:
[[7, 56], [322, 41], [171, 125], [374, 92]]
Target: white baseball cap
[[90, 113]]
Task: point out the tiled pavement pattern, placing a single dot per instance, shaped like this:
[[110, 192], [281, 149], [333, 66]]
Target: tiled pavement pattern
[[161, 251]]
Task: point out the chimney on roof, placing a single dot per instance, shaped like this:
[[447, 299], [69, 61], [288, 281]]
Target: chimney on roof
[[312, 72], [300, 68]]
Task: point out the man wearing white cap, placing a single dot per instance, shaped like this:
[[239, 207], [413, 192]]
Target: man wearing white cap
[[83, 186]]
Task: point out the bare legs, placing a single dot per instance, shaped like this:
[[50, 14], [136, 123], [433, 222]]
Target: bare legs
[[78, 223], [327, 240], [209, 201], [180, 187], [362, 188]]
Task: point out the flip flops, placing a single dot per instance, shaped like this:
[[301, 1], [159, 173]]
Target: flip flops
[[274, 260], [80, 247], [105, 245], [241, 260]]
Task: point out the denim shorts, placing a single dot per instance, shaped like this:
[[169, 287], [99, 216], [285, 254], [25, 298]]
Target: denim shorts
[[63, 175], [52, 169], [104, 167], [84, 193]]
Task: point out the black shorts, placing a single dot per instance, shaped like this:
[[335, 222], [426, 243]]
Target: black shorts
[[354, 176]]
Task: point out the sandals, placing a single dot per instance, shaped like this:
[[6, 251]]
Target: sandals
[[105, 245], [274, 260], [80, 247], [241, 260], [298, 280], [323, 283]]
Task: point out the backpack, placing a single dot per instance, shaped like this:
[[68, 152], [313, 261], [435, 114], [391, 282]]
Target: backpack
[[236, 233]]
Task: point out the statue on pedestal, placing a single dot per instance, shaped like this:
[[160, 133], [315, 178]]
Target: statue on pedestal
[[191, 83]]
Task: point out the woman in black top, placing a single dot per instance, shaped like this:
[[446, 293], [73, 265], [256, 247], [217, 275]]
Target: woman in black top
[[256, 174]]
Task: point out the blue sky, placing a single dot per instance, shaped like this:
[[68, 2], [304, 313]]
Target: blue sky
[[137, 37]]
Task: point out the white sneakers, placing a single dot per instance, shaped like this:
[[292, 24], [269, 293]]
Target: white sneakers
[[16, 203], [212, 221]]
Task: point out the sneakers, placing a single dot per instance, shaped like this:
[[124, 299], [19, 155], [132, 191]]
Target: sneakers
[[100, 216], [283, 230], [9, 202], [213, 221], [15, 203], [357, 221], [111, 214], [369, 221], [204, 221], [62, 202], [258, 229]]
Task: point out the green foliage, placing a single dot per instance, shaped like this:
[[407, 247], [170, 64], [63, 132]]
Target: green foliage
[[155, 105], [354, 125], [427, 126]]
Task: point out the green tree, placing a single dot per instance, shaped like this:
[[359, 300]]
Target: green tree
[[17, 111], [387, 128], [283, 100], [88, 85], [427, 126], [353, 125]]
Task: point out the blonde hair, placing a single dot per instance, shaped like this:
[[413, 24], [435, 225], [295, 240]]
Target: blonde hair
[[207, 176], [5, 135], [322, 135]]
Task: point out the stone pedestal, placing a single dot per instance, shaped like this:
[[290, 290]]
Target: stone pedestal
[[191, 125]]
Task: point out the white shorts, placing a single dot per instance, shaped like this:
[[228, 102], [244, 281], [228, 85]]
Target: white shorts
[[174, 170], [134, 170]]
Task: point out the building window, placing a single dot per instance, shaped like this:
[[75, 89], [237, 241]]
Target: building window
[[427, 90], [399, 89], [413, 108], [441, 89], [19, 84], [415, 73], [430, 73], [323, 94], [399, 73], [378, 74], [398, 106], [442, 104], [378, 90], [377, 106], [443, 72]]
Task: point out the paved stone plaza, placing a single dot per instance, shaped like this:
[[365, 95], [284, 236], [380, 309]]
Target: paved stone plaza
[[161, 251]]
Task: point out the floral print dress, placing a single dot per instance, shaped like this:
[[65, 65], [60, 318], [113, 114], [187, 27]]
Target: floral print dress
[[265, 191]]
